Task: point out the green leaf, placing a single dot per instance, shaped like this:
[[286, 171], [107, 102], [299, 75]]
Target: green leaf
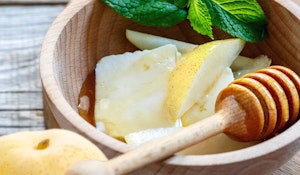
[[244, 10], [180, 3], [240, 18], [199, 17], [149, 12]]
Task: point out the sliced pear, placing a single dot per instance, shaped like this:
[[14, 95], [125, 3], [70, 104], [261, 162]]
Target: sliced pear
[[148, 41], [142, 137], [205, 107], [243, 65], [131, 88], [240, 66], [194, 76]]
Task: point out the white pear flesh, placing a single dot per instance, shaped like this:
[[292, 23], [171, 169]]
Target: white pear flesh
[[147, 41], [131, 88]]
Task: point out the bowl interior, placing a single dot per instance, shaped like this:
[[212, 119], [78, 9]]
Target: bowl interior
[[103, 33], [89, 30]]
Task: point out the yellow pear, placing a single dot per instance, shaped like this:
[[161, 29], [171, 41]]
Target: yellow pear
[[47, 152], [205, 107], [197, 72]]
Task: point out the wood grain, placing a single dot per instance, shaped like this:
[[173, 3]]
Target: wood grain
[[22, 30], [73, 60]]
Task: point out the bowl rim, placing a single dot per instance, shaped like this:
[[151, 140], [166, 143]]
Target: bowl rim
[[50, 85]]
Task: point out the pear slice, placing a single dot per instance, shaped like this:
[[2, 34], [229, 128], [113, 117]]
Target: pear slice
[[195, 74], [205, 107], [148, 41], [145, 136], [243, 65], [131, 88]]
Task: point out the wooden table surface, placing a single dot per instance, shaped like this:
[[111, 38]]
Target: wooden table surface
[[23, 25]]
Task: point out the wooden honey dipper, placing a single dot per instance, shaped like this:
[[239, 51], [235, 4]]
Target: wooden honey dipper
[[255, 107]]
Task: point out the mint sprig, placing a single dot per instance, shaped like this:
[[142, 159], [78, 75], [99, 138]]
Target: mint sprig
[[149, 12], [199, 16], [240, 18], [244, 19]]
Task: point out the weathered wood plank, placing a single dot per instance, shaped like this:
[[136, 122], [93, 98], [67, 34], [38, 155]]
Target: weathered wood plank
[[14, 121], [14, 2], [19, 69], [21, 36], [18, 101], [22, 30]]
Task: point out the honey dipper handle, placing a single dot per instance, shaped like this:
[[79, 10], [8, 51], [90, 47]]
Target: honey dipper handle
[[164, 147], [167, 146]]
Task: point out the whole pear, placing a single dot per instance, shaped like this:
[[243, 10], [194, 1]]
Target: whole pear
[[47, 152]]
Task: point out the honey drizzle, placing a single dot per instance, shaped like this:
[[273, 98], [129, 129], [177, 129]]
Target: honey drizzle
[[87, 91]]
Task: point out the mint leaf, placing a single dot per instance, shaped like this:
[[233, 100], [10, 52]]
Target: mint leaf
[[240, 18], [180, 3], [149, 12], [199, 17], [243, 10]]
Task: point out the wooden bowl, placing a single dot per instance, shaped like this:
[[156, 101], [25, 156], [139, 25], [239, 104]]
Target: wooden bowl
[[88, 30]]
